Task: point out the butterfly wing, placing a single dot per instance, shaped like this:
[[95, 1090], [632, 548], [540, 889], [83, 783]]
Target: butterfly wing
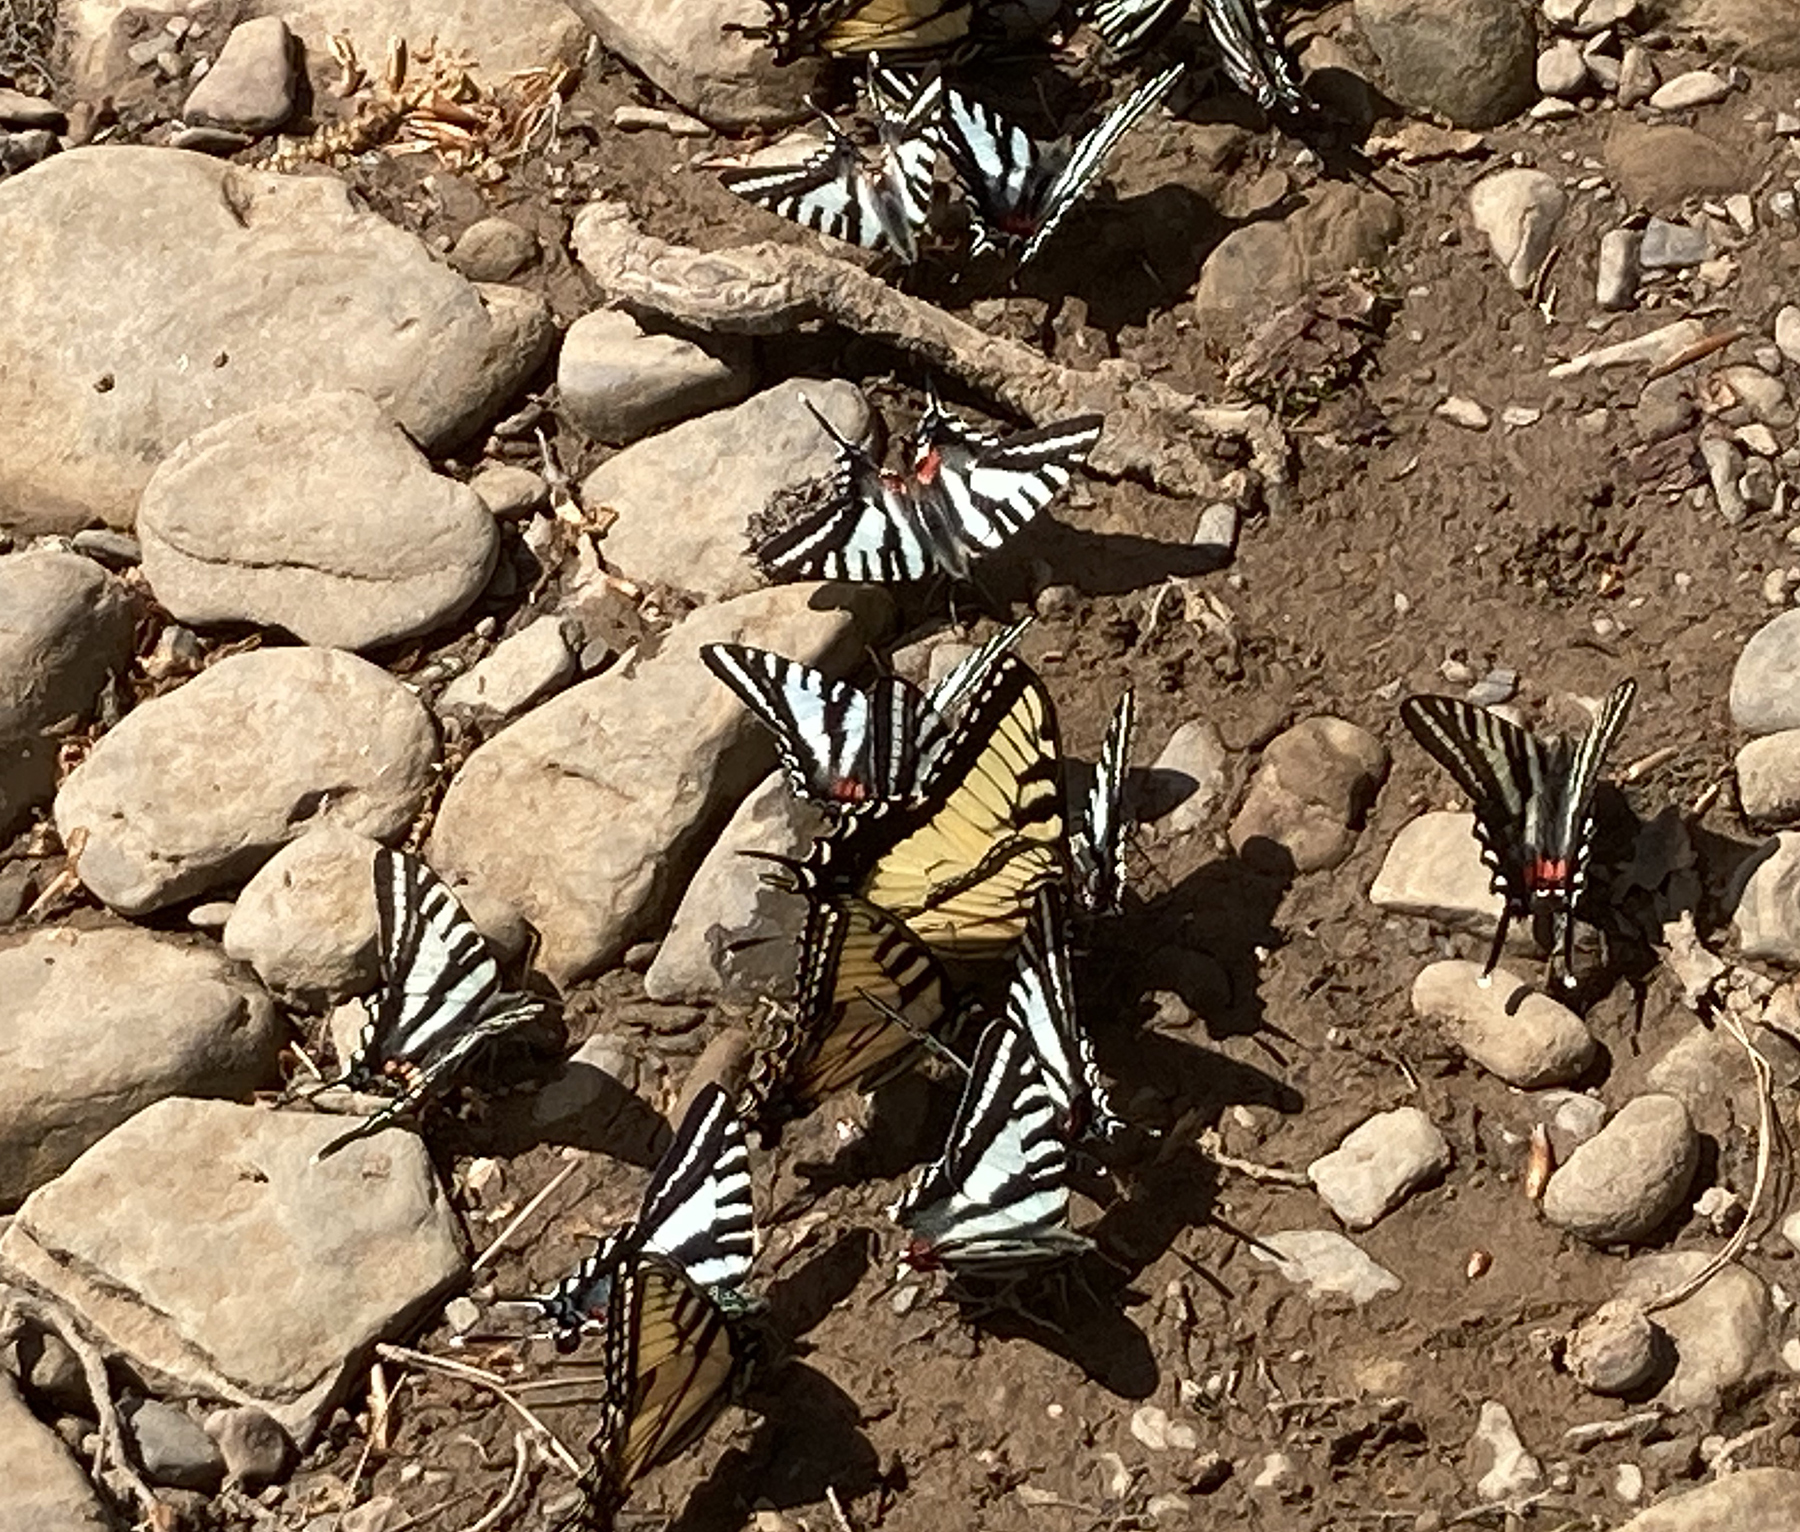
[[962, 867], [833, 192], [1097, 846], [1251, 54], [672, 1364], [1088, 157], [856, 530], [944, 702], [1130, 26], [999, 1196], [697, 1208], [973, 494], [1000, 167], [1041, 1004]]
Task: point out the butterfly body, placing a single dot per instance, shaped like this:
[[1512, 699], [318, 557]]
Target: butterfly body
[[1533, 801], [1019, 189]]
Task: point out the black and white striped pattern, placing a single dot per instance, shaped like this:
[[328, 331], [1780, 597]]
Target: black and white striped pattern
[[878, 198], [844, 748], [1534, 806], [1018, 189], [1041, 1003], [1130, 26], [440, 998], [1252, 55], [964, 494], [696, 1211], [1097, 841], [998, 1199]]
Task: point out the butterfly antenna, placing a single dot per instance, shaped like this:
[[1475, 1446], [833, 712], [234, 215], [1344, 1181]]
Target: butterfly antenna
[[932, 1045], [367, 1128], [844, 444]]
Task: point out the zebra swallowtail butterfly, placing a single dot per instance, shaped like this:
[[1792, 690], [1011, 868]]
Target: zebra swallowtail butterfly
[[1130, 26], [696, 1212], [965, 493], [1041, 1002], [998, 1198], [440, 998], [1534, 807], [1097, 842], [841, 747], [1252, 54], [875, 198], [1019, 189]]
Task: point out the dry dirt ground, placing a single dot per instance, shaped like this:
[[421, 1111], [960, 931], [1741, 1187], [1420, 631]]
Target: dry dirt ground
[[1274, 1009]]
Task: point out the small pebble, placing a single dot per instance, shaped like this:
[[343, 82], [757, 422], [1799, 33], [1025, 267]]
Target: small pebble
[[1614, 1351], [1616, 282], [1698, 87], [1464, 412], [1628, 1483], [1669, 246]]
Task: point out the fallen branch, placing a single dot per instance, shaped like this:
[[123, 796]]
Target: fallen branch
[[502, 1507], [484, 1379], [519, 1219], [1153, 432]]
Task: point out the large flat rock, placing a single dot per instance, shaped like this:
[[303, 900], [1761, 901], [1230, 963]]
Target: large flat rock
[[201, 1242], [207, 290], [45, 1489], [199, 787], [588, 816], [97, 1024]]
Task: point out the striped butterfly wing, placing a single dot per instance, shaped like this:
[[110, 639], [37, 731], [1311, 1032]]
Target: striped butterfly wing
[[1097, 845], [1041, 1004], [869, 992], [962, 868], [798, 28], [839, 747], [854, 526], [972, 492], [945, 701], [1020, 190], [672, 1364], [1252, 54], [1130, 26], [998, 1198]]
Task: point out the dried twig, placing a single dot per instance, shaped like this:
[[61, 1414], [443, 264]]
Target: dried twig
[[484, 1379], [503, 1506], [837, 1509], [1153, 431], [1591, 1433], [17, 1309], [519, 1218], [1213, 1149]]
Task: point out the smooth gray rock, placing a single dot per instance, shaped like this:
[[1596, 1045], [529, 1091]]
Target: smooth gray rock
[[1750, 1500], [201, 1243], [1787, 331], [735, 937], [1765, 683], [1619, 270], [1326, 1263], [196, 789], [1507, 1027], [255, 1448], [1561, 70], [1708, 1072], [170, 1446], [1434, 868], [1378, 1165], [19, 110], [1615, 1350], [1498, 1463], [1697, 87], [510, 493], [1472, 61], [1571, 1117], [638, 769], [1623, 1184], [1336, 229], [1518, 210], [690, 52], [1307, 799], [46, 1490], [1187, 782], [95, 1024], [618, 381], [524, 668], [250, 87], [1768, 778], [1669, 246], [306, 921], [1764, 900], [684, 497], [317, 516], [210, 290], [493, 250], [66, 626], [1723, 1336]]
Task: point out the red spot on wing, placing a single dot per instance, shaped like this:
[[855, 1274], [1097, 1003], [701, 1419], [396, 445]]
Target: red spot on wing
[[928, 467], [849, 790], [1544, 874], [921, 1255]]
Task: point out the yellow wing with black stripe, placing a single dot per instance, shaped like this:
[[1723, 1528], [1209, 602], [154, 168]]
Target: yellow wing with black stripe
[[962, 870], [672, 1363], [894, 27]]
